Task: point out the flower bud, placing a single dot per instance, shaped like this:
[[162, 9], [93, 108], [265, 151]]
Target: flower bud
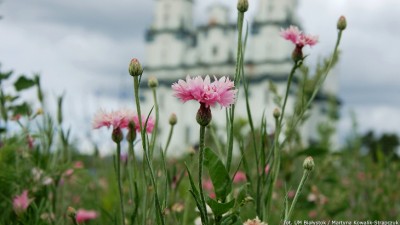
[[172, 119], [135, 69], [342, 23], [276, 113], [131, 135], [203, 116], [297, 53], [71, 212], [117, 135], [243, 5], [308, 163], [152, 82]]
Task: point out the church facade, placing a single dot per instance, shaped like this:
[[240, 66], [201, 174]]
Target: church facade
[[175, 48]]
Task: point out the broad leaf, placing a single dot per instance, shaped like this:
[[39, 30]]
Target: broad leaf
[[23, 83], [218, 174], [219, 208]]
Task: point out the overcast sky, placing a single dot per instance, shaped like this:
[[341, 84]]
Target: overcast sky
[[81, 47]]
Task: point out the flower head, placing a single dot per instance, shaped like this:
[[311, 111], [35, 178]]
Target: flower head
[[84, 215], [21, 202], [220, 91], [116, 119], [255, 221], [298, 38], [150, 123]]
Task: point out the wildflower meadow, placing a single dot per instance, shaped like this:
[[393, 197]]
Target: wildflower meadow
[[250, 176]]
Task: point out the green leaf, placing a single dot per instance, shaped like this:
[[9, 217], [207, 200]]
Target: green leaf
[[6, 75], [240, 199], [231, 219], [218, 174], [22, 109], [194, 191], [219, 208], [23, 83]]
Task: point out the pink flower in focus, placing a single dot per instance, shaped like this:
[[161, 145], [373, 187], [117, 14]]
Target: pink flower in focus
[[220, 91], [239, 177], [150, 123], [21, 202], [298, 38], [84, 215], [116, 119]]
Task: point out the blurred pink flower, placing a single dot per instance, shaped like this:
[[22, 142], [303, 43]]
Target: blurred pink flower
[[312, 214], [124, 157], [116, 119], [83, 215], [207, 185], [68, 172], [255, 221], [21, 202], [239, 177], [220, 91], [212, 195], [150, 123], [291, 194], [78, 165], [267, 168], [298, 38]]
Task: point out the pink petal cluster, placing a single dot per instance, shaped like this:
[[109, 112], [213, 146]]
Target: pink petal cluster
[[21, 202], [239, 177], [204, 91], [83, 215], [120, 119], [255, 221], [298, 38]]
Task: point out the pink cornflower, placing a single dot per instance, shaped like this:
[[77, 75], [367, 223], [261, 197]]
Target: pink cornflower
[[220, 91], [239, 177], [116, 119], [298, 38], [21, 202], [83, 215], [150, 123]]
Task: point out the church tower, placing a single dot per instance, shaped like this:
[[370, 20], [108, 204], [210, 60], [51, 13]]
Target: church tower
[[170, 34]]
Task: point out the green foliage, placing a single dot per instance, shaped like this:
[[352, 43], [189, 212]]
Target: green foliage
[[23, 83]]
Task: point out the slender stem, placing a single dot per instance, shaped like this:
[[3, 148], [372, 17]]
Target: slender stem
[[121, 199], [146, 151], [201, 158], [299, 188], [155, 130], [171, 130], [295, 66], [239, 64]]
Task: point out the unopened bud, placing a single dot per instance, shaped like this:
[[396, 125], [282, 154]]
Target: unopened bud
[[297, 53], [135, 69], [172, 119], [308, 163], [243, 5], [342, 23], [204, 115], [153, 82], [71, 212], [131, 135], [277, 113], [117, 135]]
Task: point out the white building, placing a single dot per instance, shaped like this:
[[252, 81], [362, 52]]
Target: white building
[[176, 48]]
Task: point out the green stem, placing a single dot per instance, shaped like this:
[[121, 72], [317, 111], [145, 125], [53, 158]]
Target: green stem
[[171, 130], [201, 159], [155, 129], [239, 64], [146, 151], [121, 198], [306, 173]]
